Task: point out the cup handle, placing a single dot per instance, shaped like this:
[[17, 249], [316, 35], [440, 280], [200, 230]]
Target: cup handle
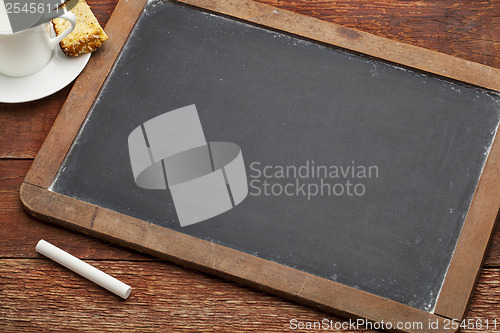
[[69, 16]]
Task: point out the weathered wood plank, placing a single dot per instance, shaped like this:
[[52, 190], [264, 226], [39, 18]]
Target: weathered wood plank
[[23, 127], [466, 29], [19, 232], [39, 295], [485, 305]]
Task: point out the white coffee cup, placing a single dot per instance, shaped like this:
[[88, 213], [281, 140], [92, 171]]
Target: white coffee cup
[[26, 52]]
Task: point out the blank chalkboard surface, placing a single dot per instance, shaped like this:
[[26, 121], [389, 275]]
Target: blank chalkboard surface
[[359, 171]]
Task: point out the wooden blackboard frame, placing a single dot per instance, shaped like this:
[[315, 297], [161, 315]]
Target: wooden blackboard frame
[[272, 277]]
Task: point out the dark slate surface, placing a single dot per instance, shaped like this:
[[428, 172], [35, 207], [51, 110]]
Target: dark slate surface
[[286, 101]]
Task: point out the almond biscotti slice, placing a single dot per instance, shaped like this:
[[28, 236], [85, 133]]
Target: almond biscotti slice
[[88, 35]]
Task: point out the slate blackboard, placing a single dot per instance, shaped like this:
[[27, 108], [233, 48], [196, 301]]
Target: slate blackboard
[[422, 142], [212, 134]]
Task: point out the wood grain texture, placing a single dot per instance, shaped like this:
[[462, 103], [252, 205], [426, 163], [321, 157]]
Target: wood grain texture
[[23, 127], [465, 29], [37, 295], [40, 295], [165, 298], [20, 232], [484, 304]]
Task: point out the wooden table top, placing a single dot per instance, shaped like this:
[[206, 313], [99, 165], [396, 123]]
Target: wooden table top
[[38, 295]]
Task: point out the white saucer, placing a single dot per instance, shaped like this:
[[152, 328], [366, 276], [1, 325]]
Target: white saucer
[[59, 72]]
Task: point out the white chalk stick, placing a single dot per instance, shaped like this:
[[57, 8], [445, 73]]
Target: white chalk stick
[[76, 265]]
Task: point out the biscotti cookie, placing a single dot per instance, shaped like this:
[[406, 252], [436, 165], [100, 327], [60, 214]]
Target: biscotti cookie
[[88, 35]]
